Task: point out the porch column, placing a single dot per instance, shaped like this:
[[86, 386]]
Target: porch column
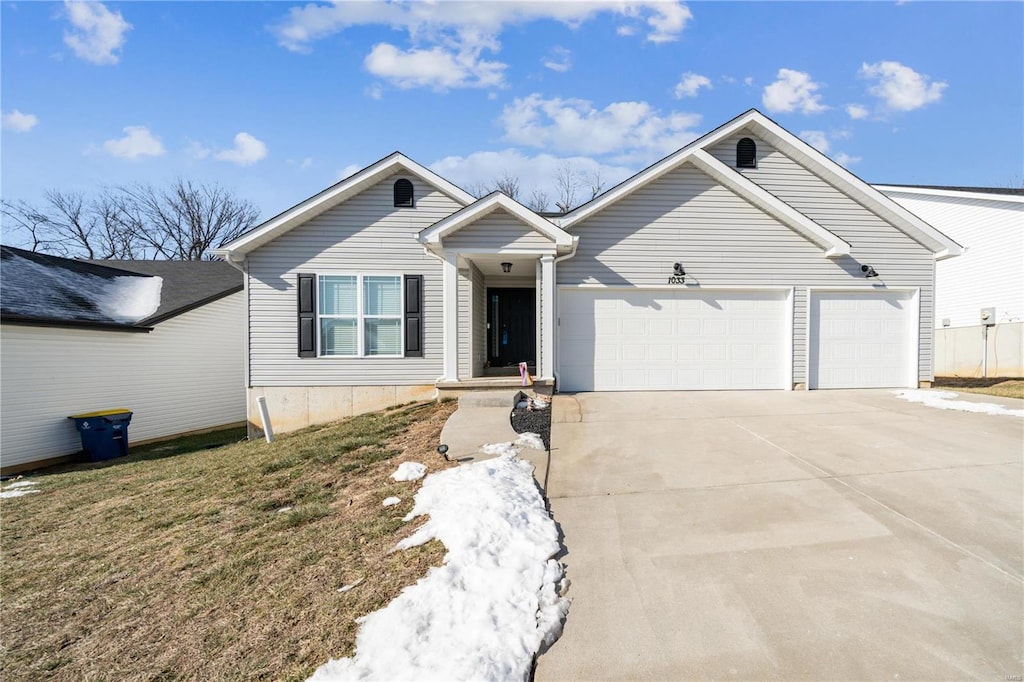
[[547, 284], [450, 317]]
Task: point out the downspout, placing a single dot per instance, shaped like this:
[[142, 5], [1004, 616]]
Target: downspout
[[559, 259]]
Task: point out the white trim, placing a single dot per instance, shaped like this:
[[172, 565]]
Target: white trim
[[768, 202], [506, 251], [761, 126], [790, 343], [547, 282], [914, 321], [334, 195], [360, 316], [435, 234], [450, 317], [951, 193], [678, 287], [539, 303]]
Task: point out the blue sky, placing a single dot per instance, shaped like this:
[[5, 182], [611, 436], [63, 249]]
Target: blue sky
[[278, 100]]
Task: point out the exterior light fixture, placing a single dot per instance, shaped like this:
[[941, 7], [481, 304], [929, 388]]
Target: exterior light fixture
[[868, 271], [506, 267], [442, 450], [678, 269], [679, 274]]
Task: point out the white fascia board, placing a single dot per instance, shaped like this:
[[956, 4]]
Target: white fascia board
[[334, 195], [950, 193], [848, 183], [834, 246], [488, 204]]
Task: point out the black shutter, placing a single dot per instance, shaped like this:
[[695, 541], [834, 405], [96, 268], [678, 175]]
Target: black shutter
[[414, 316], [307, 315]]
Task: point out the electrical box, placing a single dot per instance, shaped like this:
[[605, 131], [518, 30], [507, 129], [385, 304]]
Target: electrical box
[[988, 316]]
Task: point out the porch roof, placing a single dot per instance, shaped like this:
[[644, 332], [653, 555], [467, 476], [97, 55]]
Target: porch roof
[[433, 237]]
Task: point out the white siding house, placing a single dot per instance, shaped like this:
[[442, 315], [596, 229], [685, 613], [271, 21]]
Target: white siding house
[[745, 260], [178, 370]]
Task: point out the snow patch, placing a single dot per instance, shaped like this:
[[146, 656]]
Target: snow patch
[[130, 299], [530, 440], [390, 501], [944, 401], [409, 471], [346, 588], [19, 488], [485, 613]]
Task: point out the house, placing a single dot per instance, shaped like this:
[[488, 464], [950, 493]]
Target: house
[[163, 339], [989, 223], [745, 260]]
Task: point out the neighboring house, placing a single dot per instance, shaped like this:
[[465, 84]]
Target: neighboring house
[[742, 261], [162, 338], [989, 223]]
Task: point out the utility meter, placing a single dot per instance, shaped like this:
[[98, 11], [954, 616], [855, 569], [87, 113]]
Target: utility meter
[[988, 316]]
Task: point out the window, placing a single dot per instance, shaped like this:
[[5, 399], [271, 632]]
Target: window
[[746, 153], [360, 315], [403, 193]]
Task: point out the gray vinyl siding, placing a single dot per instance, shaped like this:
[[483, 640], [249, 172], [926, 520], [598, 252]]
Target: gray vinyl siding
[[724, 241], [899, 260], [465, 306], [364, 235], [479, 321], [497, 230]]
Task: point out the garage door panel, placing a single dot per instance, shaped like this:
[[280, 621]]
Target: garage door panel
[[861, 340], [678, 340]]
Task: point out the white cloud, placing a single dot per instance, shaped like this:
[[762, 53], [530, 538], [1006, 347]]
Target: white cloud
[[857, 111], [533, 172], [97, 34], [844, 159], [625, 30], [749, 80], [793, 91], [899, 87], [247, 151], [349, 170], [375, 91], [18, 122], [632, 131], [437, 67], [690, 84], [137, 141], [558, 59], [817, 139], [447, 39], [195, 150]]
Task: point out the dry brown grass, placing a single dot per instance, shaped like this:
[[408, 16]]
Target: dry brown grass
[[185, 567], [1005, 388]]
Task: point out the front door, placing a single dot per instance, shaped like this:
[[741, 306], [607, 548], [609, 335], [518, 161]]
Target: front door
[[511, 326]]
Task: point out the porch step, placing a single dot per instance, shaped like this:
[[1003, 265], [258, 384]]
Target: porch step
[[488, 399]]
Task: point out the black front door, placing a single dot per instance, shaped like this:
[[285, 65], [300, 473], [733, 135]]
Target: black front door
[[511, 326]]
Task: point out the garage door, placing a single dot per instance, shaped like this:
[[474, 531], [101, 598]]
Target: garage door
[[862, 340], [616, 340]]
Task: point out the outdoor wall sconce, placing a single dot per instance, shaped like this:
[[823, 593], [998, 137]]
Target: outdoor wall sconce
[[506, 267], [679, 274], [868, 271]]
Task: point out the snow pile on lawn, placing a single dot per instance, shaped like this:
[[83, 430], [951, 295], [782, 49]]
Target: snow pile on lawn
[[19, 488], [944, 400], [409, 471], [390, 501], [484, 613]]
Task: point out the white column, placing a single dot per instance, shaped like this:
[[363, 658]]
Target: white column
[[547, 283], [450, 293]]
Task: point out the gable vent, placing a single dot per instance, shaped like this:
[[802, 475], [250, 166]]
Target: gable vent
[[746, 153], [403, 193]]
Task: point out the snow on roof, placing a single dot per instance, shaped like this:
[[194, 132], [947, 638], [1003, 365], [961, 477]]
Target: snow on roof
[[42, 288]]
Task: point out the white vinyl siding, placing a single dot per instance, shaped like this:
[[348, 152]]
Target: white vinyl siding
[[861, 340], [365, 234], [497, 230], [185, 375], [672, 339], [900, 261], [990, 271]]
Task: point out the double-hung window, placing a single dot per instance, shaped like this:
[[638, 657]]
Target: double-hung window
[[360, 315]]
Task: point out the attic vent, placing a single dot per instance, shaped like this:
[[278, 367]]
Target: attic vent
[[403, 193], [746, 153]]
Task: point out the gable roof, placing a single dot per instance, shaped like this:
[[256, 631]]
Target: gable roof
[[762, 126], [433, 235], [187, 284], [334, 195], [998, 194]]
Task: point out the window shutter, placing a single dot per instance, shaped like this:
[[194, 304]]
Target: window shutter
[[413, 316], [307, 315]]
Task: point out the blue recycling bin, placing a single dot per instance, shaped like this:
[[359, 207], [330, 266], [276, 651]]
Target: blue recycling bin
[[105, 433]]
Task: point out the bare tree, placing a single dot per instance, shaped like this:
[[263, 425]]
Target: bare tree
[[478, 189], [507, 184], [593, 182], [178, 223], [568, 183], [538, 200]]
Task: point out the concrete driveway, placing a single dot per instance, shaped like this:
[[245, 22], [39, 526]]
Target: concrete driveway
[[844, 535]]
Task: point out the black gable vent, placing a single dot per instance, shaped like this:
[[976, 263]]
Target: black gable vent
[[403, 193], [746, 153]]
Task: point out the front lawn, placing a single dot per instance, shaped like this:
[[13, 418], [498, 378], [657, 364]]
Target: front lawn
[[1005, 388], [217, 564]]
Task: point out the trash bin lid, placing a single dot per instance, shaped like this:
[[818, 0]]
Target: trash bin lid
[[101, 413]]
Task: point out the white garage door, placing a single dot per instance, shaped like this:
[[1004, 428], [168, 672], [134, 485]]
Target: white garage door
[[862, 340], [618, 340]]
